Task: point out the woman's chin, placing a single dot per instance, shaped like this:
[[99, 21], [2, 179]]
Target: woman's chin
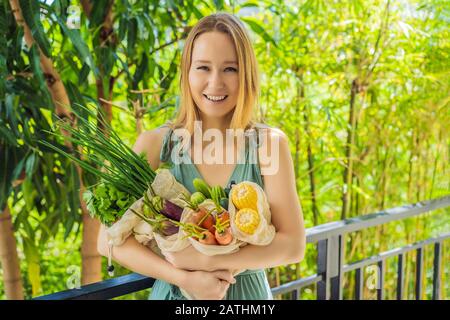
[[215, 111]]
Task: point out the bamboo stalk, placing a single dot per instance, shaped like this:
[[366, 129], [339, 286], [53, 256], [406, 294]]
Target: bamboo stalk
[[347, 176], [435, 166], [312, 178], [411, 167], [137, 116], [9, 259]]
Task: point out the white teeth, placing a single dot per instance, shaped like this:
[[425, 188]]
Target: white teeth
[[215, 98]]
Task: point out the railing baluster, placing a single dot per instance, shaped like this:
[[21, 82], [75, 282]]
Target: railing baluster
[[336, 262], [295, 294], [329, 265], [400, 277], [359, 281], [419, 271], [437, 271], [380, 284], [323, 288]]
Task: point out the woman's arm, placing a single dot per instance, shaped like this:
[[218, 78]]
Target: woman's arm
[[138, 258], [288, 245]]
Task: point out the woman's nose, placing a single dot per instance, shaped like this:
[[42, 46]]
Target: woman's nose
[[216, 80]]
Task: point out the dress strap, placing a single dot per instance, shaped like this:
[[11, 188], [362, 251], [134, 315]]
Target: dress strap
[[259, 128], [167, 146], [253, 142]]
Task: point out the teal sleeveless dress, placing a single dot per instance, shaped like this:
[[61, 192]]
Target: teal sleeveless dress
[[250, 284]]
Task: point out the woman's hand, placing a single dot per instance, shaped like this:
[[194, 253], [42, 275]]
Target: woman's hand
[[208, 285], [188, 259]]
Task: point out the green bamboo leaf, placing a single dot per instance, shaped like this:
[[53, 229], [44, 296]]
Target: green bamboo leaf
[[30, 165], [36, 66], [9, 156], [164, 105], [259, 29], [249, 4], [8, 136], [131, 37], [31, 15], [218, 4], [32, 256], [81, 47], [197, 12], [171, 73], [3, 26], [107, 60], [150, 27], [74, 93], [98, 12], [18, 169], [3, 74], [140, 71], [29, 193], [84, 72], [11, 101], [73, 197], [122, 29]]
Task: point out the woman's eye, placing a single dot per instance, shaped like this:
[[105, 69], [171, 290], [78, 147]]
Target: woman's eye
[[231, 69], [203, 68]]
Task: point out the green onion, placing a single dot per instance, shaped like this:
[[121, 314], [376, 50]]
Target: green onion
[[104, 154]]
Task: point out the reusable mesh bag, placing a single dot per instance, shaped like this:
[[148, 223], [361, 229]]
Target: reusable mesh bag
[[166, 186], [143, 232], [265, 232], [123, 228]]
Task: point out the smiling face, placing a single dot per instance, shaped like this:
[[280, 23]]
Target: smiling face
[[213, 75]]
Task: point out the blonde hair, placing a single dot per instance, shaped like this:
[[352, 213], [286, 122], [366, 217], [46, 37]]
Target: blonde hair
[[243, 116]]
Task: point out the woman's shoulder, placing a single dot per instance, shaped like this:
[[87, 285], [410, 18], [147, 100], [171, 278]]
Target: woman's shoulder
[[149, 138], [269, 131], [273, 149], [150, 143]]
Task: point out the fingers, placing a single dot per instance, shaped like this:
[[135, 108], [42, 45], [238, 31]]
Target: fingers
[[225, 275], [224, 285]]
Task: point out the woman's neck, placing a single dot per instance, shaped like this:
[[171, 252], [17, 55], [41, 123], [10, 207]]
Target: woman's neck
[[221, 124]]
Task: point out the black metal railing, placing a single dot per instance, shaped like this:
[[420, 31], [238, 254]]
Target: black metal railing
[[330, 261]]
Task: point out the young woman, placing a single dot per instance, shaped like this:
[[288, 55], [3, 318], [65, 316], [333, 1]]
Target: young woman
[[219, 90]]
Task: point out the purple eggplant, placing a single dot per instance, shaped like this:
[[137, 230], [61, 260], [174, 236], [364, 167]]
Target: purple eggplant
[[172, 211], [167, 208], [168, 228]]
